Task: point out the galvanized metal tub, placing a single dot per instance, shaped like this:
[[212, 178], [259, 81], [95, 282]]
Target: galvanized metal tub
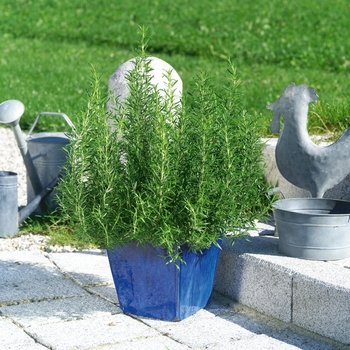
[[313, 228]]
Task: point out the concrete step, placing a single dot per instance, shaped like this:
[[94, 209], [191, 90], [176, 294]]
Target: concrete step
[[314, 295]]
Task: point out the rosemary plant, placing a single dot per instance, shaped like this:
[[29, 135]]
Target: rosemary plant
[[168, 174]]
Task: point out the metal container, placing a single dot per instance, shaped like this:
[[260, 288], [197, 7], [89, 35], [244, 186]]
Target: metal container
[[48, 155], [8, 204], [313, 228]]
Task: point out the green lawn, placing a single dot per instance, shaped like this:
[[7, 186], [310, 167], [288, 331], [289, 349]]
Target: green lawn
[[48, 47]]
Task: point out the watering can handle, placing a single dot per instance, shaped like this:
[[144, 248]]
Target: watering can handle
[[65, 117]]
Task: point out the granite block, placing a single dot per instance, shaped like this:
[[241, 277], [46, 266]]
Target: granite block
[[322, 307], [255, 282]]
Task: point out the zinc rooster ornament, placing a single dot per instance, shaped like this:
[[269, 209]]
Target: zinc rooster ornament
[[300, 161]]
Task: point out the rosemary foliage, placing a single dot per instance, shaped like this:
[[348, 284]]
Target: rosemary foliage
[[163, 172]]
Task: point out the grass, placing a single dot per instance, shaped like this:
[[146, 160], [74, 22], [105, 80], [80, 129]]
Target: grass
[[48, 46], [56, 232]]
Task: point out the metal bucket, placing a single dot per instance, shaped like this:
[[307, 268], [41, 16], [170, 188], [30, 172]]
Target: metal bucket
[[8, 204], [313, 228], [48, 155]]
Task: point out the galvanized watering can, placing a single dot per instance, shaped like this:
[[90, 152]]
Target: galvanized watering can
[[43, 157], [48, 156]]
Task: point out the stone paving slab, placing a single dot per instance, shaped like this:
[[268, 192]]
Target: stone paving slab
[[303, 292], [264, 342], [25, 292], [29, 276], [84, 314], [107, 292], [90, 333], [14, 338], [201, 332], [244, 278], [87, 268], [266, 248], [235, 327], [322, 308], [34, 257], [66, 309], [21, 272], [154, 343]]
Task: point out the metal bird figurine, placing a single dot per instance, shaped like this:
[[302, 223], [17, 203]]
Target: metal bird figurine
[[300, 161]]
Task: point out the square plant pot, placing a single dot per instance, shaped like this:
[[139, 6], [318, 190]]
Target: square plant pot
[[149, 286]]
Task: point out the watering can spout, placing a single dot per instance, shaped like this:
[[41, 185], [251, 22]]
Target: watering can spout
[[10, 114]]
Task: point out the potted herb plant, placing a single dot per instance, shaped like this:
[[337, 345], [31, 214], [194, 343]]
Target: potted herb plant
[[162, 186]]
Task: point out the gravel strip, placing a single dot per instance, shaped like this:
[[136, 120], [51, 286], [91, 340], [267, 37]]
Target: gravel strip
[[24, 242]]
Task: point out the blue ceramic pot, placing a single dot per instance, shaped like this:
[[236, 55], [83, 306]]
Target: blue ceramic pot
[[147, 286]]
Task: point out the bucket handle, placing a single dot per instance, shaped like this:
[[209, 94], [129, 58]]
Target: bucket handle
[[65, 117]]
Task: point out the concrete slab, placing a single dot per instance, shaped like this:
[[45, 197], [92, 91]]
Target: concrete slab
[[244, 277], [21, 272], [29, 276], [322, 307], [91, 333], [85, 268], [107, 292], [154, 343], [200, 331], [264, 342], [259, 323], [320, 290], [14, 338], [24, 257], [78, 316], [343, 263], [236, 327], [53, 311], [13, 294], [300, 291]]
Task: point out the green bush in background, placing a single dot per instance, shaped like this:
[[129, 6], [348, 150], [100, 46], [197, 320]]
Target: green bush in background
[[47, 47]]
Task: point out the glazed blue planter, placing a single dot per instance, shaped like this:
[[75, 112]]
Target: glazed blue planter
[[147, 286]]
